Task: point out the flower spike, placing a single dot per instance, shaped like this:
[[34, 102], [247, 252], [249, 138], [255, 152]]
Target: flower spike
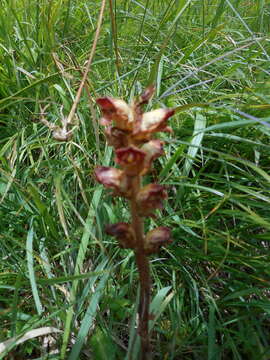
[[130, 131]]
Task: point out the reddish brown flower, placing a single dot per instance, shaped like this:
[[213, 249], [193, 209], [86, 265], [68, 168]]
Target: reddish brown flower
[[112, 178], [149, 198], [115, 110], [115, 137], [152, 121], [131, 158], [123, 233], [156, 238], [153, 150]]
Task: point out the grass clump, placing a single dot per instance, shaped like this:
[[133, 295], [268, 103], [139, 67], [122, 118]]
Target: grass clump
[[59, 271]]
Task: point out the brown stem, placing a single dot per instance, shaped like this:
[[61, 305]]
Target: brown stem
[[114, 32], [144, 275], [88, 65], [144, 272]]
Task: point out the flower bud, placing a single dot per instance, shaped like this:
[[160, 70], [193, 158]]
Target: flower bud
[[115, 110], [131, 158], [123, 233], [112, 178], [147, 94], [149, 198], [156, 238]]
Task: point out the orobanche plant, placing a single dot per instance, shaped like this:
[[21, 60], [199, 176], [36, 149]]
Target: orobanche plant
[[131, 132]]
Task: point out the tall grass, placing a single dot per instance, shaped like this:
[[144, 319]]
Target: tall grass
[[210, 60]]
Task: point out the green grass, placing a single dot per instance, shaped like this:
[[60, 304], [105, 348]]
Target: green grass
[[210, 59]]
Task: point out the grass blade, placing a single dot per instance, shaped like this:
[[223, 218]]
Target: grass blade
[[30, 266], [88, 318]]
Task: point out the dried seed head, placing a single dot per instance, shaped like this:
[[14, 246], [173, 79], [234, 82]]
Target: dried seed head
[[156, 238], [62, 134], [59, 133]]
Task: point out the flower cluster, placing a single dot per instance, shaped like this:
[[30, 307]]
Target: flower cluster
[[130, 131]]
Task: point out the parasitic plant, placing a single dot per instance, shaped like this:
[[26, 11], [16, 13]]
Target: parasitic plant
[[130, 131]]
